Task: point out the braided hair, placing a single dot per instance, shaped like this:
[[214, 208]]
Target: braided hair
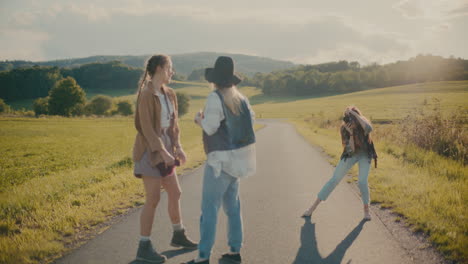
[[151, 65]]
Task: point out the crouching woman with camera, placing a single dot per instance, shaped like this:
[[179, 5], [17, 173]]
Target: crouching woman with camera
[[358, 148]]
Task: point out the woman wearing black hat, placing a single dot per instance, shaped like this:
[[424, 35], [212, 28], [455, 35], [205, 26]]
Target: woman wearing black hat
[[228, 138]]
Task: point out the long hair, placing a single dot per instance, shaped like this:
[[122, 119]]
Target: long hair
[[232, 97], [150, 69], [359, 134]]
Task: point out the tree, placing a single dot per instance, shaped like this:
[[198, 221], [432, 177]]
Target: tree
[[183, 102], [25, 83], [41, 106], [65, 96], [3, 106], [197, 75], [99, 105], [124, 108], [105, 76], [179, 77]]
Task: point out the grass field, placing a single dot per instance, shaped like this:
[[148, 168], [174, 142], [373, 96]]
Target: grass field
[[62, 177], [429, 191], [390, 103]]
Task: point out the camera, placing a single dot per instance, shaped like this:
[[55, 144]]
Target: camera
[[347, 119]]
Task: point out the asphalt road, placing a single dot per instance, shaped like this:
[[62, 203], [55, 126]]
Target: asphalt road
[[290, 172]]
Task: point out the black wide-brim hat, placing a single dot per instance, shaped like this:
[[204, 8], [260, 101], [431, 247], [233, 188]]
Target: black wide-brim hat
[[223, 72]]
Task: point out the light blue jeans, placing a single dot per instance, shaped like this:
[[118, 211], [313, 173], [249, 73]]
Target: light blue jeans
[[340, 171], [225, 189]]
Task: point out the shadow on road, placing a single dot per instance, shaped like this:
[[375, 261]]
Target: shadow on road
[[308, 252], [168, 253], [176, 252]]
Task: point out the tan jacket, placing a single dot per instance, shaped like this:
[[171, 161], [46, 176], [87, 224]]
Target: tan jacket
[[148, 125]]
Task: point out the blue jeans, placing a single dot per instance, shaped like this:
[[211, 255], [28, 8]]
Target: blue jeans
[[343, 166], [223, 188]]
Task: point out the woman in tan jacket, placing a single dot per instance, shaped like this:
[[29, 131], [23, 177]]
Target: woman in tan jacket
[[157, 148]]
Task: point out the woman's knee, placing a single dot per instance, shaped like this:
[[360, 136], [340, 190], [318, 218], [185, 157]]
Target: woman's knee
[[153, 201], [175, 194], [334, 180], [232, 210], [363, 186]]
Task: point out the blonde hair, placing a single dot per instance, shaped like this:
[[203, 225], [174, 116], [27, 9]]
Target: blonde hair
[[357, 111], [232, 98], [358, 128]]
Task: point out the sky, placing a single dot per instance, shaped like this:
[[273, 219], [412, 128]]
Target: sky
[[300, 31]]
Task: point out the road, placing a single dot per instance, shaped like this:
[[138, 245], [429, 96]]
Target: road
[[290, 172]]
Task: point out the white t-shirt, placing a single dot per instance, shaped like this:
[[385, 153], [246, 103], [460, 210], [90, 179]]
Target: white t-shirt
[[165, 116]]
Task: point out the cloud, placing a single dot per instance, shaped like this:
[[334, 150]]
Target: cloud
[[461, 11], [353, 52], [301, 33], [22, 44], [23, 18], [432, 9], [75, 31]]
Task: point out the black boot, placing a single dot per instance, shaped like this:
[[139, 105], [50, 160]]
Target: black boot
[[232, 258], [147, 253], [179, 239]]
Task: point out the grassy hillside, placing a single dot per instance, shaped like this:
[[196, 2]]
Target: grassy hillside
[[183, 63], [390, 103], [62, 177], [427, 190]]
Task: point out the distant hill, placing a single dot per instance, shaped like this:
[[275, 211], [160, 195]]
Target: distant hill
[[183, 63]]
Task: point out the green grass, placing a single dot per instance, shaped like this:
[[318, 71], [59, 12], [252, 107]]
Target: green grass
[[390, 103], [62, 177], [428, 190]]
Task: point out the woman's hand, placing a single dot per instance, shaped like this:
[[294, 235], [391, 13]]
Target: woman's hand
[[181, 155], [167, 158], [198, 117], [348, 127]]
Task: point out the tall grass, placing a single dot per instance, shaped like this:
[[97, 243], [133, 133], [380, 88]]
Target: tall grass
[[444, 134], [427, 184], [428, 190]]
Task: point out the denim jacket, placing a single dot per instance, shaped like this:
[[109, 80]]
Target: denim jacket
[[234, 132]]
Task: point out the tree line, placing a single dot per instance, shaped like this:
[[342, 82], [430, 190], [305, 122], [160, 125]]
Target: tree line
[[183, 63], [344, 76], [36, 81], [62, 91], [67, 98]]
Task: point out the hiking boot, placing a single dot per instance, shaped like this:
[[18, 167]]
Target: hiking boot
[[179, 239], [147, 253], [232, 258]]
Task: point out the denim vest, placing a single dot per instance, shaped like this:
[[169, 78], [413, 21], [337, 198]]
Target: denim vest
[[234, 132]]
